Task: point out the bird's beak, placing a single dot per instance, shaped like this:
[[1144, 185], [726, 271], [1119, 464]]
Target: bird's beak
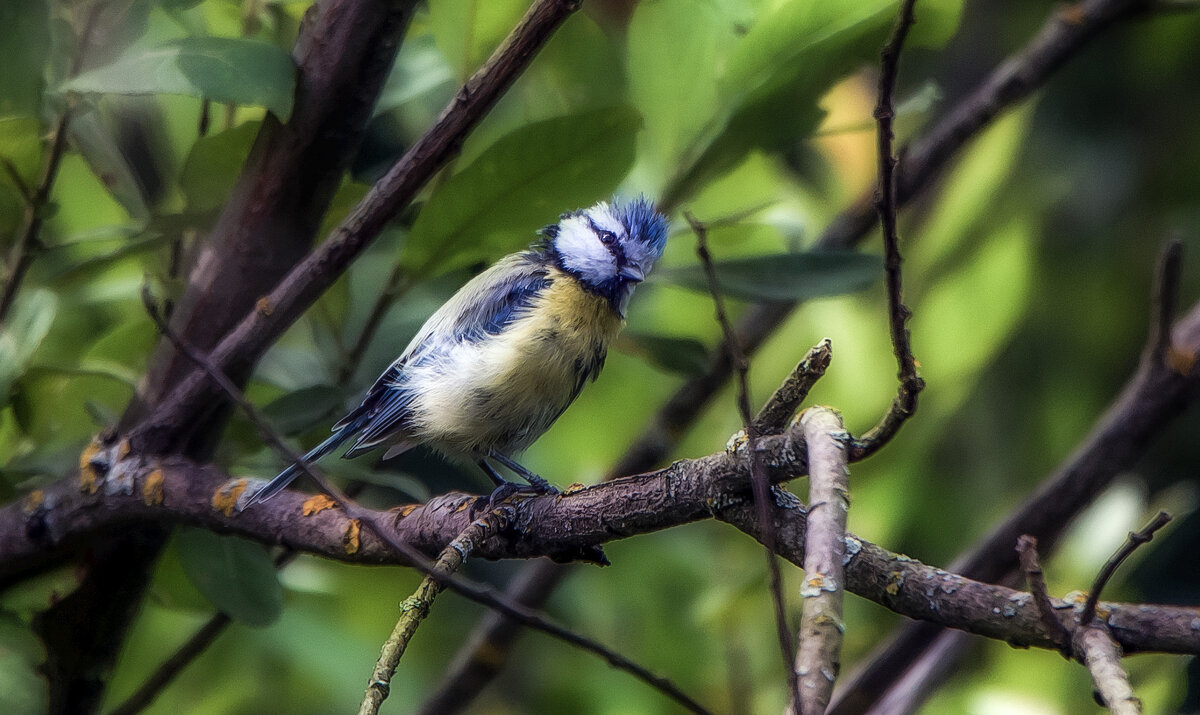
[[632, 273]]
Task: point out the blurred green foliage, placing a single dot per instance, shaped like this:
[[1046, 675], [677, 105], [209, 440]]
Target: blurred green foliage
[[1027, 269]]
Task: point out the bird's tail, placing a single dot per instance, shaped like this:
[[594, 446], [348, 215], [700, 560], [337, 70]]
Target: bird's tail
[[284, 478]]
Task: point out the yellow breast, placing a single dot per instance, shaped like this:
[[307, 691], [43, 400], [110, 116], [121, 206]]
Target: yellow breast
[[504, 391]]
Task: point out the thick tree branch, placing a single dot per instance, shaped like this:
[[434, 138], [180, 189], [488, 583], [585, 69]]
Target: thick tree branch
[[173, 490]]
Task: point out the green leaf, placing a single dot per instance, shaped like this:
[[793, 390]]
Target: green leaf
[[774, 77], [523, 181], [686, 356], [236, 575], [22, 688], [213, 165], [25, 46], [21, 146], [298, 411], [21, 334], [222, 69], [783, 277], [98, 147]]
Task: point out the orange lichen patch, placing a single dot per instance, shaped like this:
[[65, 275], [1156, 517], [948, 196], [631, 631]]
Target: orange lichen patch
[[895, 581], [404, 510], [226, 497], [89, 479], [123, 450], [350, 540], [152, 489], [1073, 14], [317, 504], [463, 505], [1180, 361], [575, 488], [33, 501], [263, 306]]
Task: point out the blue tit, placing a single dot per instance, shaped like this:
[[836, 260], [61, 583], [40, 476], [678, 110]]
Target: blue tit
[[494, 367]]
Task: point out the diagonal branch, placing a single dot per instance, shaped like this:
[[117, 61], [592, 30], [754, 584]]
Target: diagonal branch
[[759, 484]]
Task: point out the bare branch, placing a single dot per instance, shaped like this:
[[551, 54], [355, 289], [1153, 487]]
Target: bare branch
[[1136, 539], [1102, 656], [1165, 299], [905, 403], [28, 235], [759, 484], [416, 607], [1031, 565], [783, 403], [170, 668], [818, 659]]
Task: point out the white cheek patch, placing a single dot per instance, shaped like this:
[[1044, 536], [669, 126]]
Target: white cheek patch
[[583, 252], [602, 214]]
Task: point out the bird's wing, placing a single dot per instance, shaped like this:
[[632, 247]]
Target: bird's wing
[[484, 306]]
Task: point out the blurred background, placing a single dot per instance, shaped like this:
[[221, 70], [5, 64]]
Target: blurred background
[[1028, 269]]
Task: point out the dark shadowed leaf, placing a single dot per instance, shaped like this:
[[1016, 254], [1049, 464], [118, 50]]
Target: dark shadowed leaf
[[21, 334], [236, 575], [686, 356], [213, 166], [520, 183], [298, 411], [787, 276], [222, 69]]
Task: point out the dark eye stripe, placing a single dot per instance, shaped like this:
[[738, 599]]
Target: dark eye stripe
[[608, 238]]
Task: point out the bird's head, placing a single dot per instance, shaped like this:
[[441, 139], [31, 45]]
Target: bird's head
[[610, 247]]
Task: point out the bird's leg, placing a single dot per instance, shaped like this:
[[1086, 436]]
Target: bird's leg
[[492, 473], [541, 486]]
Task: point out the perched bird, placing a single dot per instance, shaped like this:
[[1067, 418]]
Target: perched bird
[[494, 367]]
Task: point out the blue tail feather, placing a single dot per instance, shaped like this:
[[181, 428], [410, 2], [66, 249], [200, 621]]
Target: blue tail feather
[[284, 478]]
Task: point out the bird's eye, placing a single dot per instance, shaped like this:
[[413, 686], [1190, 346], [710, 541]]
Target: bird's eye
[[608, 237]]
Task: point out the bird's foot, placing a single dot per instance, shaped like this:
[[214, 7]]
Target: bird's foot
[[506, 491]]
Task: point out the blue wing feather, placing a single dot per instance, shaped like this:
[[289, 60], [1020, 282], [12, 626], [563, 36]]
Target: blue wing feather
[[485, 306]]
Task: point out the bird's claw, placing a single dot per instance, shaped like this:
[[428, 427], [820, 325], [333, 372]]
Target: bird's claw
[[505, 491]]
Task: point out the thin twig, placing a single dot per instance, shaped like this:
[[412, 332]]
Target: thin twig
[[886, 203], [1031, 565], [1165, 299], [774, 416], [1136, 539], [759, 484], [395, 286], [474, 592], [1102, 656], [28, 237], [171, 667], [818, 659], [416, 607]]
